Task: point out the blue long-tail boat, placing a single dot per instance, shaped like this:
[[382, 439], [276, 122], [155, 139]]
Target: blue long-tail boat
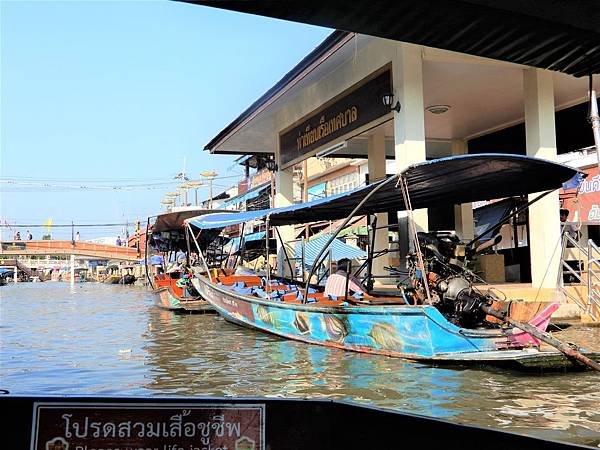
[[440, 316]]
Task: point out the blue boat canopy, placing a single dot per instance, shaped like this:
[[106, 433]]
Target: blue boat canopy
[[339, 250], [453, 180]]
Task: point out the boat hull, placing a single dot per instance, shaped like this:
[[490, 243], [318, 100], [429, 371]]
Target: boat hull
[[167, 299], [413, 332]]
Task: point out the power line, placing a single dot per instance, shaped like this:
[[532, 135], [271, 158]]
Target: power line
[[68, 225]]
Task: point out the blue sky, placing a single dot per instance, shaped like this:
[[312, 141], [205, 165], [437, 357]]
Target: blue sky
[[114, 93]]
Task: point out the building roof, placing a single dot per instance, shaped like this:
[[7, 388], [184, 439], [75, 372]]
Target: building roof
[[457, 79], [560, 35]]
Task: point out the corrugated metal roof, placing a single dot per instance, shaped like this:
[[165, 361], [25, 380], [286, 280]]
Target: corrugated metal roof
[[339, 250]]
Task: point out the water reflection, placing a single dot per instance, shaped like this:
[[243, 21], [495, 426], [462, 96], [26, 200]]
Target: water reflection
[[111, 340]]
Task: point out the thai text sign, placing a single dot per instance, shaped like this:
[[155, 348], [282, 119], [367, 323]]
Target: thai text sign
[[585, 207], [259, 178], [132, 426], [356, 107]]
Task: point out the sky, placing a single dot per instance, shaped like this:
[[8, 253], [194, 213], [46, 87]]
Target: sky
[[105, 94]]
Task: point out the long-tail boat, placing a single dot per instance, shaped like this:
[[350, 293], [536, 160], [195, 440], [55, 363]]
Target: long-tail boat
[[440, 316], [165, 237]]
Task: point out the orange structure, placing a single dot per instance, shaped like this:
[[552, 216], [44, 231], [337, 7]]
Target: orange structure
[[77, 248]]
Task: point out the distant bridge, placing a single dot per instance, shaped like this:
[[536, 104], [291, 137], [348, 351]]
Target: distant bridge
[[76, 248]]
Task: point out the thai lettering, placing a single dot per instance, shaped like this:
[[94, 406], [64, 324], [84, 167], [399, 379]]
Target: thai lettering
[[156, 429], [176, 427], [96, 428], [588, 186], [204, 428], [141, 429], [218, 425], [67, 418], [80, 431], [594, 214], [326, 127], [233, 428], [109, 429], [176, 423], [125, 429]]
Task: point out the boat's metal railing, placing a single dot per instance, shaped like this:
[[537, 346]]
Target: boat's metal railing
[[593, 269], [588, 274]]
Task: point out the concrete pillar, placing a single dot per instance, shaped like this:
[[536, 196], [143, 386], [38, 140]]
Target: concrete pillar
[[463, 214], [72, 269], [409, 123], [284, 196], [377, 171], [544, 222]]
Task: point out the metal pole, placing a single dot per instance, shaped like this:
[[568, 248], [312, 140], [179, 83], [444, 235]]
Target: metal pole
[[72, 269], [344, 224], [146, 253], [595, 120], [210, 277], [210, 193]]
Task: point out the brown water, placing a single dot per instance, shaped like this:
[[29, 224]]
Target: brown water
[[111, 340]]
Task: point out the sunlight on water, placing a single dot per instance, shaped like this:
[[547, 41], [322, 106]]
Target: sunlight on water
[[110, 340]]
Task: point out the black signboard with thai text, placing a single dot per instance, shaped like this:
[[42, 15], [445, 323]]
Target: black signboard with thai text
[[354, 108], [131, 426]]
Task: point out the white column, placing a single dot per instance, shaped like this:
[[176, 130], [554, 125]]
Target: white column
[[16, 275], [284, 196], [72, 269], [463, 214], [409, 123], [377, 171], [544, 223]]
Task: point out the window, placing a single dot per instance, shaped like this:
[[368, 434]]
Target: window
[[343, 183]]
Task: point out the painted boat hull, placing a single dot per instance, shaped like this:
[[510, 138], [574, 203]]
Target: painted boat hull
[[412, 332], [167, 299]]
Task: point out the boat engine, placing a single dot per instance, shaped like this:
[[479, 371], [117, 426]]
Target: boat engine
[[450, 281]]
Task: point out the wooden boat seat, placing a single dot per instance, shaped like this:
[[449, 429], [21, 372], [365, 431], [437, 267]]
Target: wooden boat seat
[[278, 287], [248, 280]]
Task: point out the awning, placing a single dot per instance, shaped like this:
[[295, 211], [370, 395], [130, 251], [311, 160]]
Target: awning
[[174, 220], [235, 242], [444, 181], [561, 35], [339, 250], [250, 195]]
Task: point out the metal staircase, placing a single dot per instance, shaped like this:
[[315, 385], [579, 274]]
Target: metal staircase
[[580, 266]]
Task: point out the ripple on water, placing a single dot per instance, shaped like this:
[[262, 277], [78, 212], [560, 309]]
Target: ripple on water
[[111, 340]]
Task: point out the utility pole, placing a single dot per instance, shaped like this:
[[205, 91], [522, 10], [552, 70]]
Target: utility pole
[[210, 176], [595, 120]]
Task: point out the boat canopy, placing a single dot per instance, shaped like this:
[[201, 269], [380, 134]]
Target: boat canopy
[[453, 180], [174, 220]]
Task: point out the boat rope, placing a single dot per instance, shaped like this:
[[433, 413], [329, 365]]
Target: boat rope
[[409, 211], [343, 225]]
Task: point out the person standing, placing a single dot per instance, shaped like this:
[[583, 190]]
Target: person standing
[[77, 236], [17, 236], [118, 241], [568, 228], [29, 236]]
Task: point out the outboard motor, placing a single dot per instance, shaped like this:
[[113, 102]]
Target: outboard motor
[[450, 282]]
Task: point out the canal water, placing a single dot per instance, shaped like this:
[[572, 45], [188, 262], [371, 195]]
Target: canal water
[[95, 339]]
